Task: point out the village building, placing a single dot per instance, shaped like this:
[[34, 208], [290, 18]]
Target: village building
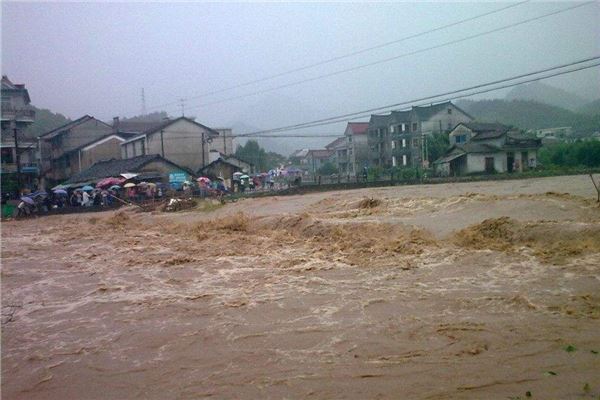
[[357, 145], [223, 166], [223, 143], [150, 168], [298, 158], [487, 148], [59, 148], [339, 154], [181, 140], [315, 159], [399, 139], [17, 115]]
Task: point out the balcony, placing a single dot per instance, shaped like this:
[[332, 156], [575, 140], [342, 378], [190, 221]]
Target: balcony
[[26, 168], [10, 113]]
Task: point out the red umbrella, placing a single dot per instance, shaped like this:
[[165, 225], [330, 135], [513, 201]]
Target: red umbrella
[[106, 182]]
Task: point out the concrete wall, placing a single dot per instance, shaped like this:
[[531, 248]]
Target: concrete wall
[[182, 144], [224, 142], [476, 162], [460, 130], [444, 120], [79, 135], [104, 151]]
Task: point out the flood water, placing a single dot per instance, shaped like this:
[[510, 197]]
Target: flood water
[[438, 291]]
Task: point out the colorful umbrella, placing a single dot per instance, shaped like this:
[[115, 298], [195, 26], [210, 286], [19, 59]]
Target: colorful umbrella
[[27, 200], [115, 187], [106, 182], [244, 177], [87, 188], [60, 191], [203, 179], [129, 185]]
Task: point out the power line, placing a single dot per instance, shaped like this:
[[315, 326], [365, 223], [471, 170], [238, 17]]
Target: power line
[[358, 114], [474, 36], [347, 55]]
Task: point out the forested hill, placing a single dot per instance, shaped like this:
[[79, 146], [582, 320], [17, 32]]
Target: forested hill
[[527, 114], [45, 120]]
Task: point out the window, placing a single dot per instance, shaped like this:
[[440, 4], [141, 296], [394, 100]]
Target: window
[[415, 126], [449, 111], [460, 139], [404, 160], [403, 127], [403, 143], [349, 139], [392, 128], [393, 144], [134, 149], [449, 125], [5, 100], [416, 143], [393, 161], [7, 155]]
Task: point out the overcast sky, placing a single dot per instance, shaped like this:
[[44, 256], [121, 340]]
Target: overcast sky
[[94, 58]]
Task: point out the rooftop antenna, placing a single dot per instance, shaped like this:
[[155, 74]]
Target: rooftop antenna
[[182, 104], [143, 103]]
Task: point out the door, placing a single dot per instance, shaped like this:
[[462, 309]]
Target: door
[[510, 161], [489, 165]]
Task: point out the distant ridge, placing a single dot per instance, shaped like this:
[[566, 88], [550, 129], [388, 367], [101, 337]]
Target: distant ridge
[[543, 93]]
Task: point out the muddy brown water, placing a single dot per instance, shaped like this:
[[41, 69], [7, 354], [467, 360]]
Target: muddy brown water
[[430, 292]]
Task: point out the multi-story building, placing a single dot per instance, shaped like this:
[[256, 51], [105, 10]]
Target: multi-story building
[[339, 154], [181, 140], [19, 150], [399, 139], [224, 142], [357, 145], [61, 148]]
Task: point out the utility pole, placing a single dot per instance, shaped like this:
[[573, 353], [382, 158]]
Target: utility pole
[[143, 103], [17, 157], [182, 101], [162, 143]]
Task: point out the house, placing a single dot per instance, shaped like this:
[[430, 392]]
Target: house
[[224, 167], [399, 139], [146, 168], [16, 116], [315, 159], [298, 157], [487, 148], [223, 143], [181, 140], [358, 148], [339, 154], [58, 147]]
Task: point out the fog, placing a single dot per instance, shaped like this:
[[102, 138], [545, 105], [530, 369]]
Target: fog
[[94, 58]]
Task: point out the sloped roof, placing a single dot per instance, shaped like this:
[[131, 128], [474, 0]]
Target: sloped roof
[[164, 124], [358, 128], [114, 167], [9, 86], [122, 135], [299, 153], [378, 120], [230, 160], [320, 153], [426, 112], [137, 126], [69, 125], [336, 143]]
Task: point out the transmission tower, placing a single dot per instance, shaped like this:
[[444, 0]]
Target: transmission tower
[[143, 102]]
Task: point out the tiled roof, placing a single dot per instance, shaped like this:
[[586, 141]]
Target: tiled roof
[[113, 168], [424, 113], [358, 128], [320, 153], [379, 121], [336, 143], [69, 125], [164, 124], [9, 86]]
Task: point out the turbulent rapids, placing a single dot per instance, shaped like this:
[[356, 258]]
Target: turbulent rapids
[[478, 290]]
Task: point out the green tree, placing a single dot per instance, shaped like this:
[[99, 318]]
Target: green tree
[[327, 169], [437, 144], [252, 152]]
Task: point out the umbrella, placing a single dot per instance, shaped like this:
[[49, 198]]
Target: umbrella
[[128, 185], [40, 193], [237, 174], [106, 182], [220, 178], [203, 179], [187, 183], [151, 184], [87, 187], [143, 184], [244, 177], [60, 191], [115, 187], [78, 190], [27, 200]]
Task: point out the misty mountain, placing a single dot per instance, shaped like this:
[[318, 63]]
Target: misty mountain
[[591, 108], [45, 120], [276, 111], [526, 114], [543, 93]]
